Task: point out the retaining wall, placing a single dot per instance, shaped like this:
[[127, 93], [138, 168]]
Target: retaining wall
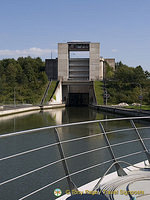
[[122, 111]]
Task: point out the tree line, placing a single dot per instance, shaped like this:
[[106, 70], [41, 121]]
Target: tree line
[[23, 79], [127, 84]]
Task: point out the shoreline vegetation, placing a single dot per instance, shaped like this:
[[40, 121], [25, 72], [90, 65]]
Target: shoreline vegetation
[[143, 107], [24, 81], [126, 84]]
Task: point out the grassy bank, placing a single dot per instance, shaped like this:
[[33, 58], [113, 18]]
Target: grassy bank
[[51, 91], [143, 107], [98, 87]]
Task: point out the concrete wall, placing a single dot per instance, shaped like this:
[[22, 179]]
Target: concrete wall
[[121, 111], [96, 64], [76, 88], [94, 61], [57, 97], [63, 61], [92, 97], [51, 68], [101, 69], [111, 62], [79, 88], [65, 94]]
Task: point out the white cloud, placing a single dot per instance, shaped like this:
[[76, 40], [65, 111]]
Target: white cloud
[[76, 41], [34, 51], [114, 50]]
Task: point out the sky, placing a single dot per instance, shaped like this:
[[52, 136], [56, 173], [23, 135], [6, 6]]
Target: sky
[[34, 27]]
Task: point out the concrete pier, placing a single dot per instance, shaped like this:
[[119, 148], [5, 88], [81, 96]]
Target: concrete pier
[[16, 110], [121, 111]]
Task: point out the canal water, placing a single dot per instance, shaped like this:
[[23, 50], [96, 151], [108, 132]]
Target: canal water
[[14, 167]]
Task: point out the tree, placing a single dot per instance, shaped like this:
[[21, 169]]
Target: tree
[[28, 77], [139, 74], [109, 72], [124, 74], [147, 74], [11, 72], [128, 83]]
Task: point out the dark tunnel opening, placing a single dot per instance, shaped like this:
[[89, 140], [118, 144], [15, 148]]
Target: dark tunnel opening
[[78, 99]]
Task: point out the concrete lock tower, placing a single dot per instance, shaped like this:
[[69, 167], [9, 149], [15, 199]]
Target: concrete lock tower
[[76, 75]]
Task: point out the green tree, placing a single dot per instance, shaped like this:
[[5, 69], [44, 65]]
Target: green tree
[[11, 72], [26, 75], [128, 84], [139, 74], [109, 72]]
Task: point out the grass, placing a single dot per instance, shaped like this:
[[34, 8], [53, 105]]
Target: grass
[[98, 87], [50, 91], [143, 107]]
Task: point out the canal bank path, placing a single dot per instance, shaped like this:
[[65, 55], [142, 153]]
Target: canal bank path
[[11, 109], [122, 111]]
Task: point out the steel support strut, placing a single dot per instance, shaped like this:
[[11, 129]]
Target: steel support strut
[[119, 169], [71, 184], [141, 140]]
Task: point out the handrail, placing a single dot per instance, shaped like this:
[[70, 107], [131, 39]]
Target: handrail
[[146, 138], [102, 178], [70, 140], [69, 157], [74, 173], [50, 145], [30, 172], [28, 151], [62, 179], [71, 124], [37, 169], [109, 145], [42, 188]]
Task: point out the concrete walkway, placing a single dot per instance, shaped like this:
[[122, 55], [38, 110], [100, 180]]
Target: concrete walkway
[[121, 111], [10, 109]]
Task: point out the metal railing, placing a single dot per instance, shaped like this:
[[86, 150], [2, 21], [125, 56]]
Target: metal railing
[[64, 159]]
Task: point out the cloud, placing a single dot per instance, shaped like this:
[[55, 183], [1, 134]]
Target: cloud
[[34, 51], [114, 50], [76, 41]]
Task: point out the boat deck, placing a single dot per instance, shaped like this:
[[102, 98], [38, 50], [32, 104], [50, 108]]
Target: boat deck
[[135, 185]]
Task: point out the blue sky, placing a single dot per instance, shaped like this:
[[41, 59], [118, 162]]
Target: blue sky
[[34, 27]]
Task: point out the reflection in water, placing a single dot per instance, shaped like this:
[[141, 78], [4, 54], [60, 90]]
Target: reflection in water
[[21, 164], [36, 119], [54, 114]]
